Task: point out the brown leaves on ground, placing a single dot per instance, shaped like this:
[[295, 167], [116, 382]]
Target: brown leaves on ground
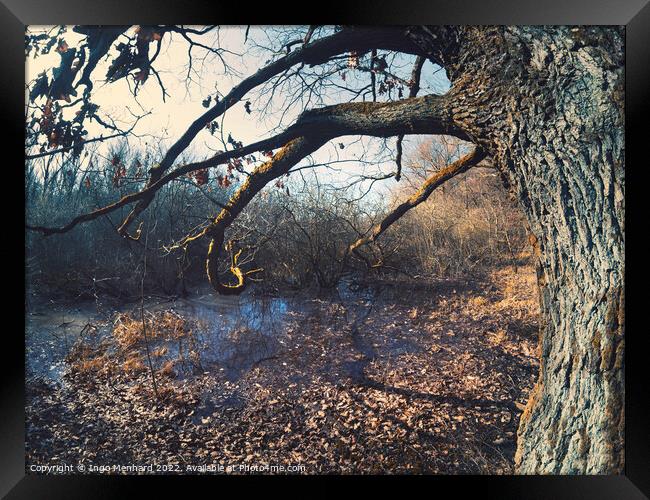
[[430, 382]]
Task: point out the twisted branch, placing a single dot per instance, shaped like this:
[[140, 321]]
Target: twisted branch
[[418, 115], [421, 115]]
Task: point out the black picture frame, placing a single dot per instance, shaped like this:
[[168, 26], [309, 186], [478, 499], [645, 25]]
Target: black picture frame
[[634, 14]]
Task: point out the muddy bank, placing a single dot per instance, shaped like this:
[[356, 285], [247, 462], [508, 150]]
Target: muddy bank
[[368, 379]]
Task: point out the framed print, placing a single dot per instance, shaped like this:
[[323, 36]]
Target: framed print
[[392, 243]]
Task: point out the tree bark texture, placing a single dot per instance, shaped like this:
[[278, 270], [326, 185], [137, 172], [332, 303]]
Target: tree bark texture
[[547, 104]]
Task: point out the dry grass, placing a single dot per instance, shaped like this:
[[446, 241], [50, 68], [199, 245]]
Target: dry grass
[[93, 364], [90, 360], [134, 363], [166, 325], [167, 369], [159, 352], [129, 357]]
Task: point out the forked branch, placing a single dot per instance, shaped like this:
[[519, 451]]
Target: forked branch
[[312, 52]]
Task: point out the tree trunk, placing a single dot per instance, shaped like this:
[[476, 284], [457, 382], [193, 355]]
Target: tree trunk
[[547, 104]]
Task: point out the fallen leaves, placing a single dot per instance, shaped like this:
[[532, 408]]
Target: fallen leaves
[[424, 402]]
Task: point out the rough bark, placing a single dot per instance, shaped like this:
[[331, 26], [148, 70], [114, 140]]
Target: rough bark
[[547, 104]]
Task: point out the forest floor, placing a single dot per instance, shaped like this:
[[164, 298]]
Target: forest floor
[[428, 379]]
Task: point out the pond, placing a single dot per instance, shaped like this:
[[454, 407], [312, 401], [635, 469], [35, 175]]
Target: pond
[[52, 330]]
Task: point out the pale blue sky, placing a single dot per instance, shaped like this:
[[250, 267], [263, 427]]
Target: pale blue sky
[[169, 120]]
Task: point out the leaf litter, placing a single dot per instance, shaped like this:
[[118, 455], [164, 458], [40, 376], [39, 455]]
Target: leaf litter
[[429, 382]]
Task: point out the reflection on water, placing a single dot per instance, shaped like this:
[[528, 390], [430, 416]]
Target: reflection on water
[[231, 333], [50, 333], [227, 313], [350, 289], [234, 333]]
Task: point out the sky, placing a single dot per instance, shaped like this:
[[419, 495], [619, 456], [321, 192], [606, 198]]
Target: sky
[[168, 120]]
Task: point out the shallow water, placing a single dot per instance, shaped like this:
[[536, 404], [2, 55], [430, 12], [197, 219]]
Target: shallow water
[[52, 330], [50, 333], [233, 333]]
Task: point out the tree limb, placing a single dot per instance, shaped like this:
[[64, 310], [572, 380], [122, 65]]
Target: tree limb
[[438, 178], [313, 53], [414, 88], [123, 133], [420, 115]]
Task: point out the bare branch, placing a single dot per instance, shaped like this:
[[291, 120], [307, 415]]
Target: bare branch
[[123, 133], [414, 88], [313, 53], [419, 115], [437, 179]]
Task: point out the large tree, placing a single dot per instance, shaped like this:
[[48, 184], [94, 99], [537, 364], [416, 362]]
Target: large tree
[[543, 104]]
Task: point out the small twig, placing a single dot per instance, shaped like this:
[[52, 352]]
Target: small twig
[[144, 323]]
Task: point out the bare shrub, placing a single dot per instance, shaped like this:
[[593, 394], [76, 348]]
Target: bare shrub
[[93, 258], [467, 226], [298, 234]]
